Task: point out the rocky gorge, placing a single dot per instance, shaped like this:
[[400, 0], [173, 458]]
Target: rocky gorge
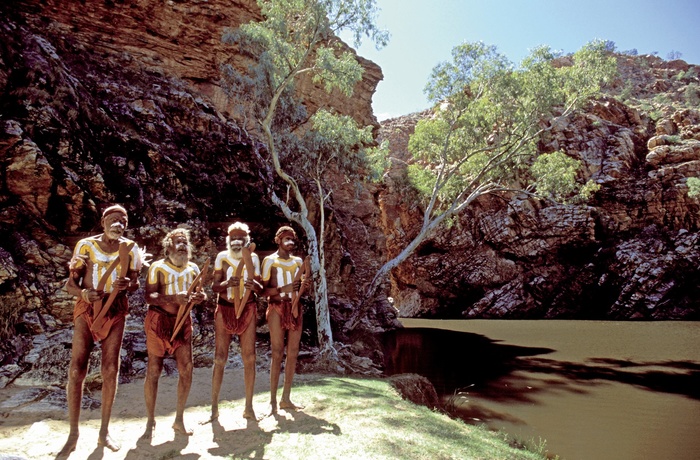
[[109, 101], [629, 253]]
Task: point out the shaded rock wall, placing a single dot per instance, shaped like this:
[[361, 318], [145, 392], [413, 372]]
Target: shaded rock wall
[[631, 253], [105, 102]]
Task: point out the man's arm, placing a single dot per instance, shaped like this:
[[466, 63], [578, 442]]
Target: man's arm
[[220, 285]]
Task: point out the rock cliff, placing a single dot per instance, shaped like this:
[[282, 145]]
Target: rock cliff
[[120, 102], [631, 253]]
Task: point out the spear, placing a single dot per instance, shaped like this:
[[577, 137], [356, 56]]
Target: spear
[[99, 310], [184, 310], [250, 272], [304, 270]]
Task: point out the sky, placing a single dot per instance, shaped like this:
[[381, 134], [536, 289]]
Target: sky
[[423, 33]]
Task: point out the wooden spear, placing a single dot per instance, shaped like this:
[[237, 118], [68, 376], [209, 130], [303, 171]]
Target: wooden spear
[[303, 273], [184, 310], [99, 310]]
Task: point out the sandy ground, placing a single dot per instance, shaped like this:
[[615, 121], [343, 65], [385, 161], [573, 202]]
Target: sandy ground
[[33, 433]]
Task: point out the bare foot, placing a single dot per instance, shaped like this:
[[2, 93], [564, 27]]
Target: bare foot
[[69, 447], [273, 408], [148, 434], [179, 427], [249, 413], [108, 442], [211, 419], [289, 405]]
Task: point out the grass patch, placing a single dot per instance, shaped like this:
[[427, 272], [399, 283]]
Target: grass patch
[[350, 418]]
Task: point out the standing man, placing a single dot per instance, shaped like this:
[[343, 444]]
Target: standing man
[[93, 283], [167, 286], [278, 273], [231, 280]]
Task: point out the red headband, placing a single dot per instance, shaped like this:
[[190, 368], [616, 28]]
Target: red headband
[[113, 209]]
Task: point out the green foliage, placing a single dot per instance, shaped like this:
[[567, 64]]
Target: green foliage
[[555, 175], [297, 39], [691, 94], [488, 117], [586, 192], [333, 139], [421, 178], [555, 179], [693, 186], [377, 161], [627, 91], [298, 36]]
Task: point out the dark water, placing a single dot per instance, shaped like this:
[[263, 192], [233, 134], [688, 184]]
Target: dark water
[[593, 390]]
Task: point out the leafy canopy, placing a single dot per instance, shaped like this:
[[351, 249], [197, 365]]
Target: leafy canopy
[[693, 186], [488, 118], [299, 36]]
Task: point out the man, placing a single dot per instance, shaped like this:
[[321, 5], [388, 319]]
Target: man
[[278, 273], [231, 280], [91, 281], [167, 286]]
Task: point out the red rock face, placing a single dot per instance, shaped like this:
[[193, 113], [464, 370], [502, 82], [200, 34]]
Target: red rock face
[[632, 252], [121, 102], [182, 39]]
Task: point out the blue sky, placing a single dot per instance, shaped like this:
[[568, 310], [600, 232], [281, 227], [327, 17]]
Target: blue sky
[[423, 33]]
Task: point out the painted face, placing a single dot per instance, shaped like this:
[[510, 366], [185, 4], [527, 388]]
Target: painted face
[[179, 252], [288, 243], [114, 225], [180, 243], [237, 239]]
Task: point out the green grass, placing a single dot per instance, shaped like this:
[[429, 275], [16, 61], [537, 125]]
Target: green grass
[[349, 418]]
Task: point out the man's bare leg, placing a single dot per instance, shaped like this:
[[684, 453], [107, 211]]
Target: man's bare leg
[[222, 343], [247, 340], [290, 365], [111, 348], [277, 346], [183, 357], [80, 357], [150, 392]]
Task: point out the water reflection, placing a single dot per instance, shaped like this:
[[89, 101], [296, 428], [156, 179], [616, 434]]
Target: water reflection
[[593, 390], [451, 360]]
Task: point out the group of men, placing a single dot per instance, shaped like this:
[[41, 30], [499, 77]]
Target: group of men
[[105, 267]]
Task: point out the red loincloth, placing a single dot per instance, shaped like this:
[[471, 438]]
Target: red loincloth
[[226, 313], [117, 312], [159, 326], [284, 310]]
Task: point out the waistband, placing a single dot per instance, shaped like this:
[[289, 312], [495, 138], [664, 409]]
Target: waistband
[[158, 309]]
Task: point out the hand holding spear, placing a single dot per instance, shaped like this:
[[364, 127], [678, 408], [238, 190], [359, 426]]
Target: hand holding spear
[[99, 310], [303, 274], [184, 310]]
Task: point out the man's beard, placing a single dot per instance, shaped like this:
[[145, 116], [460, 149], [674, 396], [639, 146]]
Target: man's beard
[[236, 253], [115, 232], [179, 258]]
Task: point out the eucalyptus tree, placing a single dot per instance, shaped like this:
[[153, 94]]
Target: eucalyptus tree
[[296, 40], [482, 135]]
